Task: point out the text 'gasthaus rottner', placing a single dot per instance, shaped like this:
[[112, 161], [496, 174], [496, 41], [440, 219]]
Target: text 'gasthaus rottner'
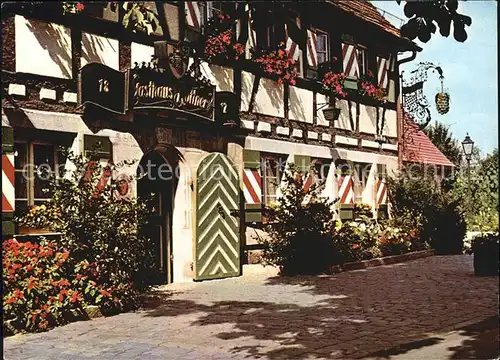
[[153, 91]]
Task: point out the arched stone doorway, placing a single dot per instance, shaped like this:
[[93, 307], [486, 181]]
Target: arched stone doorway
[[157, 178]]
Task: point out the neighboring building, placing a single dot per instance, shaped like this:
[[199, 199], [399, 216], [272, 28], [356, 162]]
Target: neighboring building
[[201, 224], [419, 151]]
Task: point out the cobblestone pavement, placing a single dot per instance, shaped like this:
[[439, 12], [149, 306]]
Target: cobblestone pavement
[[258, 315]]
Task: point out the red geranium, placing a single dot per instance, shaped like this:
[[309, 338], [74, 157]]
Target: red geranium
[[278, 63]]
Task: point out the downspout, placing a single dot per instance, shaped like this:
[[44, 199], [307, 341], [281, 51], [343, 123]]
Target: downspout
[[399, 109]]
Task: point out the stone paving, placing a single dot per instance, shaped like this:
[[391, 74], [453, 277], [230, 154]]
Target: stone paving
[[259, 315]]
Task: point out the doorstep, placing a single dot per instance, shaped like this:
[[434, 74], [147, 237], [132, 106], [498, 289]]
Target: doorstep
[[387, 260]]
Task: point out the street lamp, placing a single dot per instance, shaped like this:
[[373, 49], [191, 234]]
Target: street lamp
[[468, 146]]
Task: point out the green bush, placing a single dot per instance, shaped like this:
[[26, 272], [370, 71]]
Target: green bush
[[102, 233], [298, 227], [109, 259], [441, 221]]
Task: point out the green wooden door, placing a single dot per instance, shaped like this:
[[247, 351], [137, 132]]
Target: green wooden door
[[217, 247]]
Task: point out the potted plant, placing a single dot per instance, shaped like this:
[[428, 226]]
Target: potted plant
[[367, 86], [277, 63], [485, 250]]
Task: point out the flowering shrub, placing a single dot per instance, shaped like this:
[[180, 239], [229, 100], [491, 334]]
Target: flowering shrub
[[44, 287], [393, 241], [278, 63], [368, 87], [37, 293], [111, 260], [72, 8]]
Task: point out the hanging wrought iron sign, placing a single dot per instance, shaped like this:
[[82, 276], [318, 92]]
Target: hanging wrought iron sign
[[415, 102]]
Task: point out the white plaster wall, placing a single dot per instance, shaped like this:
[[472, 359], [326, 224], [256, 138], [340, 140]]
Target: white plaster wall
[[247, 80], [343, 121], [220, 76], [368, 119], [391, 126], [42, 48], [320, 118], [269, 99], [140, 53], [301, 105], [99, 49]]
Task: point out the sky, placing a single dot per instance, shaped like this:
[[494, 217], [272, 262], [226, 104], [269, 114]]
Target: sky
[[470, 71]]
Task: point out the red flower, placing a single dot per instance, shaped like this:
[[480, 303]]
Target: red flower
[[79, 7], [105, 293]]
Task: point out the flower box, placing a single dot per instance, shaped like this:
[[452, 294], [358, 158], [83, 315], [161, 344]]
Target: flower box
[[351, 83]]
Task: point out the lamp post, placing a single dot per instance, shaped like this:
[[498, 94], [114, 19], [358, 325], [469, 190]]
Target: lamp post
[[468, 146]]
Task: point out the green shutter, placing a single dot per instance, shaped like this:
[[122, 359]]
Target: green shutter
[[381, 171], [7, 139], [302, 162], [251, 158], [346, 211], [253, 212]]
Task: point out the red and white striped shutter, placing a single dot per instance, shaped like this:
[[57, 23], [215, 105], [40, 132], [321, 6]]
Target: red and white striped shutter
[[312, 55], [381, 192], [8, 183], [383, 71], [252, 188], [350, 60], [346, 191], [291, 47], [193, 14]]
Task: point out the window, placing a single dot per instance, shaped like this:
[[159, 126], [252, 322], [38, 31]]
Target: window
[[322, 47], [214, 8], [272, 172], [362, 61], [31, 159]]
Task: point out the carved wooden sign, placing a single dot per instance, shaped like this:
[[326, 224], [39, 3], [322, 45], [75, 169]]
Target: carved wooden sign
[[103, 87]]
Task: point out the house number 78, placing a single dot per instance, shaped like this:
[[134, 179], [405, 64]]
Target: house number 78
[[103, 85]]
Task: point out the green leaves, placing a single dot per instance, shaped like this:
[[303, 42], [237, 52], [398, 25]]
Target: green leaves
[[423, 14], [139, 18]]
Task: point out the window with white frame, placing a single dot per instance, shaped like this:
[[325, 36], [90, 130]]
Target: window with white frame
[[362, 61], [33, 162], [322, 46], [214, 8], [272, 171]]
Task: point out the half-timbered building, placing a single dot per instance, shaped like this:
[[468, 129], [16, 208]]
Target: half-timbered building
[[77, 79]]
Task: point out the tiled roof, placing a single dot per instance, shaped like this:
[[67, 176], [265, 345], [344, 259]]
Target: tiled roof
[[366, 11], [419, 148]]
